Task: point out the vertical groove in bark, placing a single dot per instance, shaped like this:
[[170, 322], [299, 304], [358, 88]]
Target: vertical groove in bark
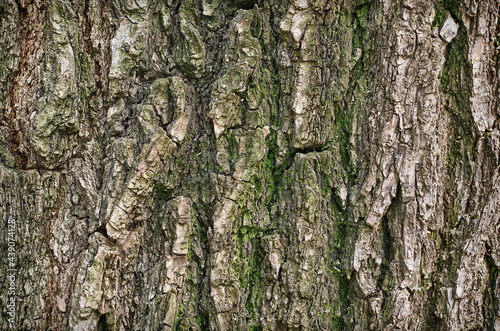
[[201, 164]]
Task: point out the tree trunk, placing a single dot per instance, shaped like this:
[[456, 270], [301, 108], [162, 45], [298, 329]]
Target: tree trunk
[[250, 164]]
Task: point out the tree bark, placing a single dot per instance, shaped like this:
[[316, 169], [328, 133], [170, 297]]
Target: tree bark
[[250, 164]]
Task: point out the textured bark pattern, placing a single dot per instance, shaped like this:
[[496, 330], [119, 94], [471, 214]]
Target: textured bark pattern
[[251, 164]]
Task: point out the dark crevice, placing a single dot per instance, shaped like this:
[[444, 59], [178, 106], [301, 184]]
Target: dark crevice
[[27, 36], [102, 324], [343, 233], [162, 192], [126, 122], [433, 322], [102, 230], [384, 281], [310, 149], [491, 302], [203, 274], [246, 4], [456, 84], [416, 46], [388, 248]]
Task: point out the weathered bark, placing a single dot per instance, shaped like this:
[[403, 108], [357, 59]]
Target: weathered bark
[[250, 164]]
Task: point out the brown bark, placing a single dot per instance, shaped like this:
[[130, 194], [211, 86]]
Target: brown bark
[[227, 165]]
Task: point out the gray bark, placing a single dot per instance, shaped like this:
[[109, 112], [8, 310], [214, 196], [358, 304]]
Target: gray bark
[[250, 164]]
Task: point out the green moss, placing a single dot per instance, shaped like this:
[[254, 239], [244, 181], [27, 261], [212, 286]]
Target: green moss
[[359, 24], [443, 9], [162, 191], [7, 158], [441, 14], [258, 185], [232, 150], [341, 321], [274, 162], [360, 18], [180, 315], [190, 52], [340, 233], [456, 83], [270, 163], [249, 268]]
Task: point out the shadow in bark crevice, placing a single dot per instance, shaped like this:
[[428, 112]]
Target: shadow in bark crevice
[[388, 246]]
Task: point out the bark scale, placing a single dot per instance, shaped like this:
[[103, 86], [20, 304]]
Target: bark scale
[[251, 164]]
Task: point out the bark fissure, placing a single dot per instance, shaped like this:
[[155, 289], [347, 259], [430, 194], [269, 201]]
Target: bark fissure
[[250, 165]]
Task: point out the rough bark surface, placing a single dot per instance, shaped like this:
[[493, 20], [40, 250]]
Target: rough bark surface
[[250, 164]]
